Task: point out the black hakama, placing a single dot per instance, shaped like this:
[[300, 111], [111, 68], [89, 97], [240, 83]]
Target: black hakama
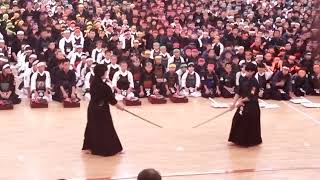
[[246, 129], [100, 135]]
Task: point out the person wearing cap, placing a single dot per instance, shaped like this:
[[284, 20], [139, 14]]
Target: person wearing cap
[[65, 44], [300, 83], [210, 87], [148, 81], [314, 81], [190, 82], [7, 86], [97, 53], [172, 81], [263, 77], [281, 84], [122, 82], [40, 83], [65, 87]]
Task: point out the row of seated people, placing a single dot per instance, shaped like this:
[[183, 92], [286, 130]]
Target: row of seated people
[[154, 79]]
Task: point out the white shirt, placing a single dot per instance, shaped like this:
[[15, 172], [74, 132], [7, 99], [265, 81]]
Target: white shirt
[[73, 37], [107, 61], [171, 60], [78, 70], [267, 75], [122, 39], [152, 53], [34, 79], [27, 78], [184, 78], [87, 79], [116, 77], [97, 55], [73, 56], [62, 43], [180, 73], [114, 66]]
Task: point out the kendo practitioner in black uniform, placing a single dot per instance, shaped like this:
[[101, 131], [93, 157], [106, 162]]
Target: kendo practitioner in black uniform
[[281, 85], [136, 71], [7, 86], [227, 82], [300, 83], [65, 87], [314, 80], [148, 81], [210, 83], [246, 128], [100, 137], [263, 77], [112, 68], [159, 71], [172, 81]]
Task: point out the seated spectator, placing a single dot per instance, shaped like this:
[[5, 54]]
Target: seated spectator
[[314, 79], [41, 83], [7, 86], [65, 87], [122, 82], [190, 82], [148, 82], [227, 82], [263, 77], [282, 84], [300, 83]]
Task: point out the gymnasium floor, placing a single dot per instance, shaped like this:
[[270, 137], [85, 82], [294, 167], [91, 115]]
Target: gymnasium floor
[[41, 144]]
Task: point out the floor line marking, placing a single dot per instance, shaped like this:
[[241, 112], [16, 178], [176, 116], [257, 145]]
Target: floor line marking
[[214, 172], [301, 112]]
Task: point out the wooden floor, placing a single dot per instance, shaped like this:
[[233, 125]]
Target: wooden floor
[[41, 144]]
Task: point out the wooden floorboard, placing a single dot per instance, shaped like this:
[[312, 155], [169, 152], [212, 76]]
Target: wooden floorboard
[[46, 144]]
